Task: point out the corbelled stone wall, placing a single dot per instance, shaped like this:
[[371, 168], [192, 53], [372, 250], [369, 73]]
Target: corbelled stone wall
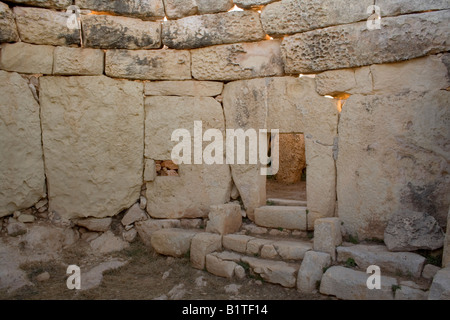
[[84, 114]]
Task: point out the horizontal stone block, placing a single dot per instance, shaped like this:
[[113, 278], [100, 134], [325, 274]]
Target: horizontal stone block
[[219, 267], [94, 224], [147, 227], [26, 58], [144, 9], [238, 61], [224, 218], [78, 61], [176, 9], [43, 26], [335, 47], [292, 250], [113, 32], [236, 242], [248, 4], [207, 30], [203, 244], [351, 81], [172, 242], [440, 287], [278, 272], [397, 7], [281, 217], [190, 88], [148, 65], [8, 29], [54, 4]]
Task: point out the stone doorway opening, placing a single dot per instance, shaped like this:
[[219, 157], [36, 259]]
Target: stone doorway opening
[[289, 183]]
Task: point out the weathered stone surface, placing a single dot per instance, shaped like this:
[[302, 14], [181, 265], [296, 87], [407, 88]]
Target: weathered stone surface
[[440, 288], [224, 219], [130, 235], [292, 250], [388, 149], [397, 7], [236, 242], [78, 61], [148, 65], [46, 239], [351, 81], [149, 170], [15, 228], [348, 284], [408, 293], [43, 26], [208, 30], [108, 243], [113, 32], [410, 231], [248, 4], [176, 9], [268, 251], [219, 267], [144, 9], [364, 255], [335, 47], [146, 228], [311, 270], [281, 217], [446, 253], [93, 278], [26, 218], [203, 244], [93, 150], [191, 223], [26, 58], [44, 276], [134, 214], [56, 4], [22, 181], [278, 272], [8, 29], [291, 158], [254, 246], [429, 271], [172, 242], [238, 61], [228, 256], [189, 88], [208, 6], [327, 235], [295, 16], [12, 277]]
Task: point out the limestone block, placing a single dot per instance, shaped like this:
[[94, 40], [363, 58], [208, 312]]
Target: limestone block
[[78, 61], [281, 217], [236, 242], [278, 272], [238, 61], [429, 271], [94, 224], [8, 29], [351, 81], [144, 9], [208, 6], [408, 293], [147, 227], [248, 4], [190, 88], [397, 7], [207, 30], [254, 246], [26, 58], [55, 4], [334, 47], [93, 144], [268, 251], [108, 243], [176, 9], [134, 214], [113, 32], [203, 244], [224, 218], [392, 151], [219, 267], [311, 270], [43, 26], [172, 242], [22, 180], [292, 250], [327, 235], [440, 287], [148, 65]]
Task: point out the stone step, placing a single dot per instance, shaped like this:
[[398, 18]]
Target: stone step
[[286, 217], [286, 202]]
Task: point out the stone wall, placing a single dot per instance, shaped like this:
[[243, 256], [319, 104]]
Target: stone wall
[[85, 114]]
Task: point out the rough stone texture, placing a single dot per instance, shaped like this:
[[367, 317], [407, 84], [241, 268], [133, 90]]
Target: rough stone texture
[[208, 6], [208, 29], [15, 228], [78, 61], [8, 30], [327, 235], [268, 251], [144, 9], [348, 284], [410, 231], [440, 288], [93, 144], [203, 244], [408, 293], [352, 81], [335, 47], [189, 88], [281, 217], [364, 255], [176, 9], [26, 58], [238, 61], [93, 278], [94, 224], [397, 7], [236, 242], [248, 4], [172, 242], [292, 158], [149, 170], [26, 218], [12, 277], [429, 271], [134, 214], [130, 235], [146, 228], [254, 246], [292, 250], [48, 239], [108, 243], [148, 65], [295, 16], [311, 270], [191, 223], [219, 267], [446, 253], [174, 197], [113, 32], [43, 26], [55, 4], [278, 272], [22, 181], [224, 218], [392, 152]]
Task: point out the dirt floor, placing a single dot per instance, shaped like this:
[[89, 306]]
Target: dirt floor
[[142, 279], [296, 191]]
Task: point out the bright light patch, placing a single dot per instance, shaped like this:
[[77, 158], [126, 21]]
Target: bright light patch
[[235, 8]]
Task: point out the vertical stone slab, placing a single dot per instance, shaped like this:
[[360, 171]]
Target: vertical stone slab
[[22, 181], [93, 144]]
